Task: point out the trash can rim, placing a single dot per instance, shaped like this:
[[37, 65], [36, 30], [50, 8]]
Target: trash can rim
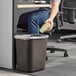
[[31, 36]]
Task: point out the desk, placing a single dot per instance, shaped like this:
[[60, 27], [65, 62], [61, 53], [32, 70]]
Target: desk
[[33, 5]]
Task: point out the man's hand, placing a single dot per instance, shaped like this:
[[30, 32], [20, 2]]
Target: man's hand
[[51, 24]]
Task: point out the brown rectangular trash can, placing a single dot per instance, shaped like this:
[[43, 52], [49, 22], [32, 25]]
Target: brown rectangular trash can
[[30, 52]]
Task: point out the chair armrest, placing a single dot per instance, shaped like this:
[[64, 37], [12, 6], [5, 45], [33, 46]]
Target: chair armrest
[[60, 12]]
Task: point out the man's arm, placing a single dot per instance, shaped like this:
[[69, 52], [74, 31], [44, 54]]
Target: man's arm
[[54, 11]]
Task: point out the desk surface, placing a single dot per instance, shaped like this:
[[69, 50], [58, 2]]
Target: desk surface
[[32, 5]]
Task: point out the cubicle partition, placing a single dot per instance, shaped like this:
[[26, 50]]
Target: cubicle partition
[[6, 33]]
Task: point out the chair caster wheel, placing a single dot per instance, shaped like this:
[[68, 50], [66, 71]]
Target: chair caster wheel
[[65, 55], [52, 51], [46, 58], [59, 40]]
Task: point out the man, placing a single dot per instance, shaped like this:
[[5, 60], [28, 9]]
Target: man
[[35, 19]]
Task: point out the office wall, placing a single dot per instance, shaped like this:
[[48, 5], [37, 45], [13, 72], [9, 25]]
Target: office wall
[[6, 33]]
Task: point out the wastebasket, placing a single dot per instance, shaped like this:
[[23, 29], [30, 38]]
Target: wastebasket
[[30, 52]]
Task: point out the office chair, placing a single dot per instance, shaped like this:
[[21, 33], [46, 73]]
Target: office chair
[[59, 25], [69, 16]]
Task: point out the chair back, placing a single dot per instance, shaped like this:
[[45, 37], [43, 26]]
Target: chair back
[[69, 11], [61, 5]]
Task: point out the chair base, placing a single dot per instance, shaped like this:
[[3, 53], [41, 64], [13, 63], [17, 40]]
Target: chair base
[[53, 49], [67, 37]]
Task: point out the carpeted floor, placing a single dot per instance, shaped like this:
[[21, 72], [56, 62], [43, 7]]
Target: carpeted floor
[[55, 66], [58, 66], [9, 73]]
